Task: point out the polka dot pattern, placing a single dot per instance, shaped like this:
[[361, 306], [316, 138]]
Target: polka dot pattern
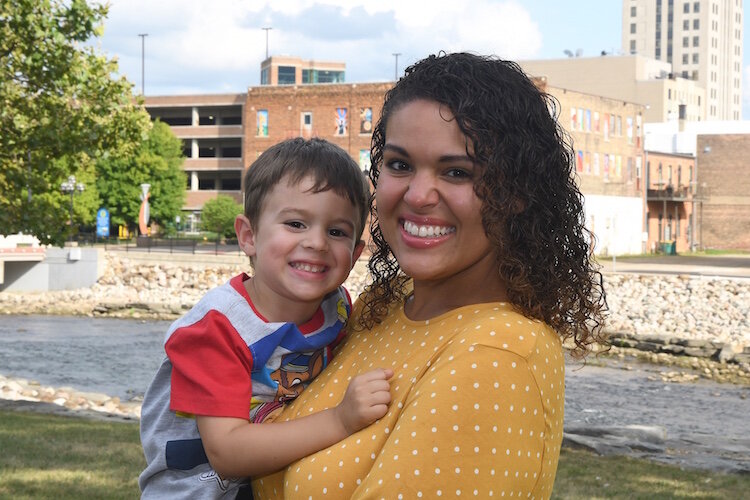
[[477, 411]]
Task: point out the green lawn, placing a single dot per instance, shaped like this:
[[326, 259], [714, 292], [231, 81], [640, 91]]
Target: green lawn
[[45, 456]]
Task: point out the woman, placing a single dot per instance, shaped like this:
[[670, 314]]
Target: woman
[[481, 270]]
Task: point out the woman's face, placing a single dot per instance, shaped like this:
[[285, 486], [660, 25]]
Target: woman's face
[[428, 211]]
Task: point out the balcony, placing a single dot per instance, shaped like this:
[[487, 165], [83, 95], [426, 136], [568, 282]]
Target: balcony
[[661, 191]]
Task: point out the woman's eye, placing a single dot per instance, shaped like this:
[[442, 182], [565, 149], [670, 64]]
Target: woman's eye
[[397, 166], [459, 173]]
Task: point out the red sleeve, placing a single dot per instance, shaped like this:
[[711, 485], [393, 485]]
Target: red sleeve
[[211, 367]]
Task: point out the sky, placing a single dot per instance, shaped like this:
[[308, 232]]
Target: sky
[[200, 47]]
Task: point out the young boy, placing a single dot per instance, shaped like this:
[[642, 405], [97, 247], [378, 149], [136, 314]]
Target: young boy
[[255, 342]]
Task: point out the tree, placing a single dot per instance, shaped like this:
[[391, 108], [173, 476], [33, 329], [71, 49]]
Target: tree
[[219, 214], [60, 109], [158, 162]]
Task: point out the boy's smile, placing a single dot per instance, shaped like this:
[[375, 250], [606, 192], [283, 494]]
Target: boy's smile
[[303, 247]]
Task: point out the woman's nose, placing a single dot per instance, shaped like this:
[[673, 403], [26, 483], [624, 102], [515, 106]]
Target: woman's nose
[[422, 190]]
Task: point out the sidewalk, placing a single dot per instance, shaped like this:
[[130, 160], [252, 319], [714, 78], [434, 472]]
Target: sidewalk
[[733, 266]]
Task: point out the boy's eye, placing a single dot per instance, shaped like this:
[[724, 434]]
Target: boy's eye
[[295, 224], [338, 233]]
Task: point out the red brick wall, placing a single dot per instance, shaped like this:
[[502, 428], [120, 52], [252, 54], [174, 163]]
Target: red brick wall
[[724, 181]]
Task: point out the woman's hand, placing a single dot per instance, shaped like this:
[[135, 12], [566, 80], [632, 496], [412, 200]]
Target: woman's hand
[[366, 400]]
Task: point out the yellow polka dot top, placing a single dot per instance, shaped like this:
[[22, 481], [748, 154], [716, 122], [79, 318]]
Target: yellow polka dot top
[[477, 411]]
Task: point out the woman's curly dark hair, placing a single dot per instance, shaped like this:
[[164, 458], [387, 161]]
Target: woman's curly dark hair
[[532, 210]]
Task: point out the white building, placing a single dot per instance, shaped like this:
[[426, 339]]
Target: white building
[[701, 39]]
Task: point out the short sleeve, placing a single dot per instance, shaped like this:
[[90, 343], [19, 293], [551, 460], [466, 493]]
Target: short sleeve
[[473, 426], [211, 368]]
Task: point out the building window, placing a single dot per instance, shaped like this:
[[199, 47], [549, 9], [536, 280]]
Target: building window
[[685, 58], [364, 160], [686, 41], [696, 41], [341, 121], [306, 76], [696, 6], [695, 58], [696, 24], [686, 8], [686, 24], [307, 119], [264, 77], [365, 121], [287, 75], [231, 181], [632, 46], [679, 175], [262, 123]]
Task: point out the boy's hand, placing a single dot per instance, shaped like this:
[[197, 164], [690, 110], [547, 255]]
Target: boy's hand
[[366, 400]]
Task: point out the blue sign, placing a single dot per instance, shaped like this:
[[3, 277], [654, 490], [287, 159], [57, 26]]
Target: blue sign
[[102, 223]]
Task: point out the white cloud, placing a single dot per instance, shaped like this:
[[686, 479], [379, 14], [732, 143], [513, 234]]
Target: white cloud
[[198, 46]]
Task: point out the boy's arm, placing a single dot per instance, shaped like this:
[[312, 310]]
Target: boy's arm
[[237, 448]]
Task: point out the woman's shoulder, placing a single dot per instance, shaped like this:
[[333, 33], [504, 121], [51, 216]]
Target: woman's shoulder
[[501, 326]]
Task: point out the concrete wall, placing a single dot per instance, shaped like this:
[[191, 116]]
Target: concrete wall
[[62, 269], [617, 223]]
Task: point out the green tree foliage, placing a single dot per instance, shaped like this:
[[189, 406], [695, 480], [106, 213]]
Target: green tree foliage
[[158, 162], [60, 108], [219, 214]]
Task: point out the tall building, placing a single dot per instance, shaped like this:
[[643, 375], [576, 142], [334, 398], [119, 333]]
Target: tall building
[[701, 39], [632, 78]]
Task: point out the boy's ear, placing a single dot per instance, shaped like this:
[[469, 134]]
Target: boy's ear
[[357, 251], [245, 235]]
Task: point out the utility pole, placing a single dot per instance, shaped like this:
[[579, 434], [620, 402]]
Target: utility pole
[[143, 63], [267, 30], [395, 72]]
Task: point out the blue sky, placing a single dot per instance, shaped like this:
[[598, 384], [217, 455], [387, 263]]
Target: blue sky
[[194, 46]]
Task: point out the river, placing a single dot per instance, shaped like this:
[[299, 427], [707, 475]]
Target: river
[[704, 424]]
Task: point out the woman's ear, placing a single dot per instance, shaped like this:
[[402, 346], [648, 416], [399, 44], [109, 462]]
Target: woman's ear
[[245, 235]]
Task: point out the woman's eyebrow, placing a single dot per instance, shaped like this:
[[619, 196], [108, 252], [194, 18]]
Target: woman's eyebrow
[[397, 149], [443, 159]]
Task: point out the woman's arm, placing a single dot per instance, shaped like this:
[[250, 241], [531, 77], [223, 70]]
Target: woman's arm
[[474, 425], [237, 448]]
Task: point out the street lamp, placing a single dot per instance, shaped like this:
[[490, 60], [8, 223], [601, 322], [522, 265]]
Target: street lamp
[[72, 187]]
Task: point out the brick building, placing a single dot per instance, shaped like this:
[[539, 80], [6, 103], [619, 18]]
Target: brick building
[[607, 137], [723, 208], [669, 200], [344, 114], [719, 189]]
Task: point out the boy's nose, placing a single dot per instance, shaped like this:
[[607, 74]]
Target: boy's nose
[[315, 240]]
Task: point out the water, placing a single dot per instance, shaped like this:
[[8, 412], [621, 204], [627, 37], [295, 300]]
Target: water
[[705, 422], [117, 357]]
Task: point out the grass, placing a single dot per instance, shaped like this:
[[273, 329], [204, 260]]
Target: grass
[[45, 456], [54, 457], [583, 475]]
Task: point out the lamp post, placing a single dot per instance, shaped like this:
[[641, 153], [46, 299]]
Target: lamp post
[[395, 71], [267, 29], [699, 198], [72, 187], [143, 62]]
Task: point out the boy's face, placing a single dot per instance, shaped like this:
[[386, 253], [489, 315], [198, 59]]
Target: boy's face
[[303, 244]]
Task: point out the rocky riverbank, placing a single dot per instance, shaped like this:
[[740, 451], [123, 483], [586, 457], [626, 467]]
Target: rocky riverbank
[[681, 315]]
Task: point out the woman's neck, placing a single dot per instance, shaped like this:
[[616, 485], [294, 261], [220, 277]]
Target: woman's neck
[[432, 298]]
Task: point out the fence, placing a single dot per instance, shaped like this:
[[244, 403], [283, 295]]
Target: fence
[[154, 244]]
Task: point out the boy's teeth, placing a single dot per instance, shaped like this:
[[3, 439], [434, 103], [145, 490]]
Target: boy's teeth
[[308, 268], [426, 231]]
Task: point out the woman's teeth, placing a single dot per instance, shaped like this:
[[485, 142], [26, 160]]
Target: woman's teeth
[[427, 231]]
